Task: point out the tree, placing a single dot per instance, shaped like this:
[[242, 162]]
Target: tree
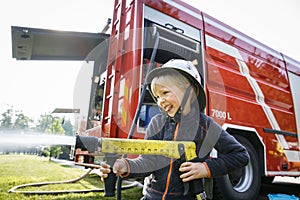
[[7, 119], [56, 126], [22, 122], [68, 127], [49, 124], [44, 123]]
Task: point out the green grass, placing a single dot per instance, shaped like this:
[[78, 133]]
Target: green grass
[[23, 169]]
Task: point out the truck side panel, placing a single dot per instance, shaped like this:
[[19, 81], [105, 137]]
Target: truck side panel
[[293, 68], [248, 85]]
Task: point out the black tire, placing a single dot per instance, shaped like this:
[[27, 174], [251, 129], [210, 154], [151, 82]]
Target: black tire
[[242, 184], [267, 180]]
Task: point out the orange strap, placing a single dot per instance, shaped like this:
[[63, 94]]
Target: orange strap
[[171, 166]]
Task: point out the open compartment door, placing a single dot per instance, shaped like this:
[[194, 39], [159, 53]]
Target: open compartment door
[[46, 44]]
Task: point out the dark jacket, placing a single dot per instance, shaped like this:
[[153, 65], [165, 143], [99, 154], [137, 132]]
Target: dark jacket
[[193, 127]]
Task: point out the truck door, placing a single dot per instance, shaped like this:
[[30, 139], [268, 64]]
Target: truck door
[[176, 40]]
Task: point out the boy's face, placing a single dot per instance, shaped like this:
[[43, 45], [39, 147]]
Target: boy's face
[[169, 98]]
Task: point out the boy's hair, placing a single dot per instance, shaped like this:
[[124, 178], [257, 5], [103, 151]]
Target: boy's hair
[[171, 77]]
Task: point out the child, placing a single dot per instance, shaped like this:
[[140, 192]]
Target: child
[[177, 89]]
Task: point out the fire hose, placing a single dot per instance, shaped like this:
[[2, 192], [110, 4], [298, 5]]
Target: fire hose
[[128, 185]]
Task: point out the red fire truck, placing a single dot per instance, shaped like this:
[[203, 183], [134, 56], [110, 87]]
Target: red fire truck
[[251, 88]]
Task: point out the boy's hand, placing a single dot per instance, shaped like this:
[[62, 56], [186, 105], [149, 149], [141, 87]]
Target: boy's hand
[[192, 170], [104, 170], [119, 168]]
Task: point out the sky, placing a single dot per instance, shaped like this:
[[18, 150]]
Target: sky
[[38, 87]]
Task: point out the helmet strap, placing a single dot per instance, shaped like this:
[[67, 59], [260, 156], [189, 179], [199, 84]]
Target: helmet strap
[[178, 114]]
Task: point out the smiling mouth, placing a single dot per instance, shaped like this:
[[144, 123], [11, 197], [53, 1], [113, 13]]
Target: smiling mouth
[[167, 108]]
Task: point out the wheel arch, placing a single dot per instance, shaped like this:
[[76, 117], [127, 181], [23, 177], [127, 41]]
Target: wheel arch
[[253, 137]]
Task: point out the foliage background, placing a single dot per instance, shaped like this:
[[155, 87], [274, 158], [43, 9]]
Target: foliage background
[[15, 120]]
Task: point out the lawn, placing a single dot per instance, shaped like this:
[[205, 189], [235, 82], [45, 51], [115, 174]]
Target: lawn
[[16, 170]]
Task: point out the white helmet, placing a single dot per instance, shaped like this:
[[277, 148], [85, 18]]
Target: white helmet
[[188, 70]]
